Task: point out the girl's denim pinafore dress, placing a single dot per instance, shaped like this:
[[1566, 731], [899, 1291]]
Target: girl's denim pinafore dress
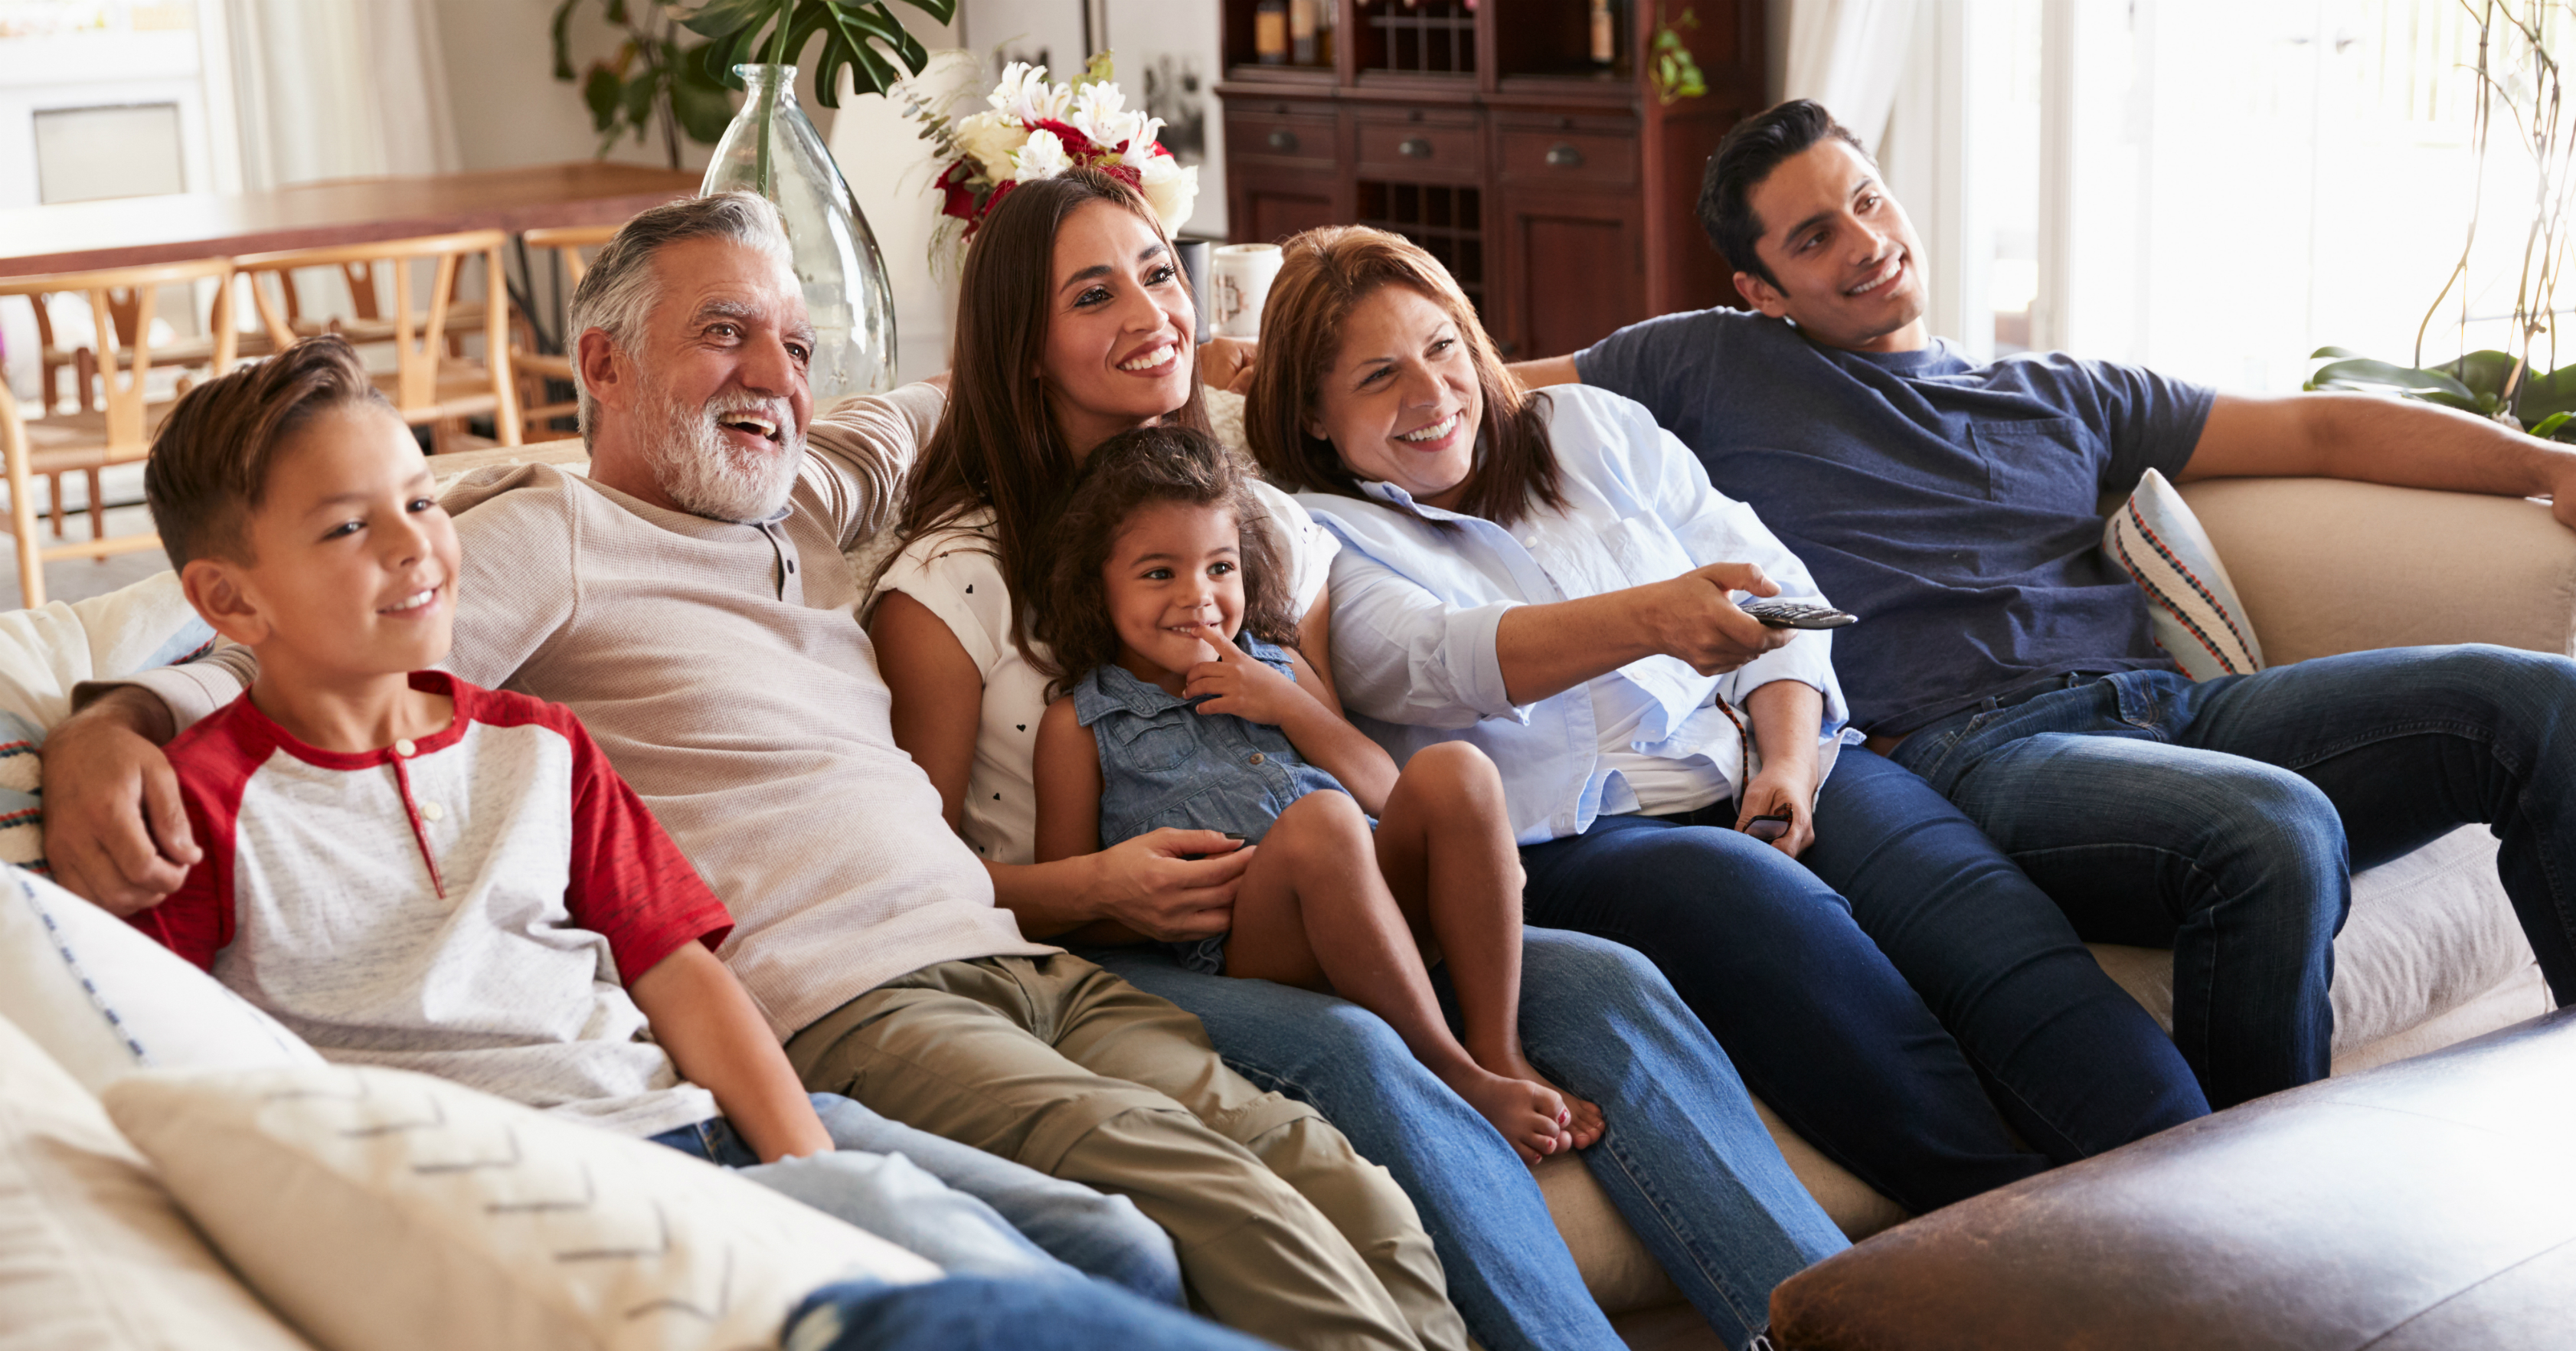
[[1163, 763]]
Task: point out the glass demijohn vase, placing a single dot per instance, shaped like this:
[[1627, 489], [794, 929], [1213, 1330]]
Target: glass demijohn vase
[[771, 149]]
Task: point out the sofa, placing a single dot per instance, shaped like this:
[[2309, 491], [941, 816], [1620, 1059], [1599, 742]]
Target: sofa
[[2431, 954]]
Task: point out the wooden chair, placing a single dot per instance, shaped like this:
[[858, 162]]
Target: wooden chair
[[120, 430], [429, 384], [533, 367]]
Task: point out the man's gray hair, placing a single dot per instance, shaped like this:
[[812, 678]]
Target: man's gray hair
[[620, 288]]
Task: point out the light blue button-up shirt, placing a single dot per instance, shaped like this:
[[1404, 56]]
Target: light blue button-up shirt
[[1416, 608]]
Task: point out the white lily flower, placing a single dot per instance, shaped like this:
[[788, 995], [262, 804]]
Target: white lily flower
[[1138, 150], [1043, 157]]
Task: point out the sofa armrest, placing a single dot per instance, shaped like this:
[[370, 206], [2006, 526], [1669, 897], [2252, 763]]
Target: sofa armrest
[[2327, 565]]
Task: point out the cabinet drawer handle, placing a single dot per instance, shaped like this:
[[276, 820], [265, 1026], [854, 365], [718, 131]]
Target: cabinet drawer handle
[[1413, 147], [1285, 142], [1563, 156]]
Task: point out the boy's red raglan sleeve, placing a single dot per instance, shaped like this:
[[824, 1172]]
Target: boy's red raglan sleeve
[[196, 921], [629, 882]]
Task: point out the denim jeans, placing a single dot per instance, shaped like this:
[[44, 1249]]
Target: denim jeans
[[982, 1313], [1811, 1012], [2224, 819], [964, 1209], [1684, 1157], [2070, 1059]]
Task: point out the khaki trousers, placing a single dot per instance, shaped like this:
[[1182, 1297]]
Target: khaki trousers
[[1283, 1230]]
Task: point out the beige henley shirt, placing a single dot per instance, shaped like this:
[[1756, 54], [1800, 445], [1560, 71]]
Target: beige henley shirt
[[722, 668]]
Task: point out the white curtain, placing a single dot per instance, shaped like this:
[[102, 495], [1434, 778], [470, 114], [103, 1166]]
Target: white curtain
[[338, 89], [1848, 56]]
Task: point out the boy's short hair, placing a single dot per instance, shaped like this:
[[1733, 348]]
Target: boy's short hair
[[209, 465]]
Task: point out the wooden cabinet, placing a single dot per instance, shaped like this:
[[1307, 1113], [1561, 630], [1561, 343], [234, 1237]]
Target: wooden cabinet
[[1559, 191]]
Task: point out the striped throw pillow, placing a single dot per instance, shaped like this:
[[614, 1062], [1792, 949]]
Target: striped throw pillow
[[2197, 619]]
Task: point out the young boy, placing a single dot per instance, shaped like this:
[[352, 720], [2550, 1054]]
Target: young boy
[[410, 871]]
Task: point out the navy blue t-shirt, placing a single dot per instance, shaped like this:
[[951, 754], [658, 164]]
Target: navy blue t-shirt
[[1953, 507]]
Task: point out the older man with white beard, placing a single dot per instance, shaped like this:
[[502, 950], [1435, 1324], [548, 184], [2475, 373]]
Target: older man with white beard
[[690, 601]]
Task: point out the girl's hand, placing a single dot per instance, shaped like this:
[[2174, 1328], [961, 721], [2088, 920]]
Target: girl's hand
[[1243, 685], [1786, 787]]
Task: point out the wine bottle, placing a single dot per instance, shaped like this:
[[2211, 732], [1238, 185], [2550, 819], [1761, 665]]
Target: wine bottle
[[1605, 34], [1270, 32], [1301, 31]]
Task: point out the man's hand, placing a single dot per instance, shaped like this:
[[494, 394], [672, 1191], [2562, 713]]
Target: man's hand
[[1692, 617], [115, 830], [1243, 684], [1226, 363], [1173, 886]]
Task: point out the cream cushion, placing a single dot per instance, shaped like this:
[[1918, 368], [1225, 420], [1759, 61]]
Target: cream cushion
[[46, 651], [94, 1255], [105, 1001], [389, 1211]]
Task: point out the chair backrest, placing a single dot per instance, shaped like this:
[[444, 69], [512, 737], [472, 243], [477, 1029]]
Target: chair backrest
[[420, 335], [125, 339], [568, 241]]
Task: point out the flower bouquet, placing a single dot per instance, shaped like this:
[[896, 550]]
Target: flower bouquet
[[1035, 128]]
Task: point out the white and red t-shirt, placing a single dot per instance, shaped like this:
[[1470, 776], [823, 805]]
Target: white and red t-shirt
[[462, 906]]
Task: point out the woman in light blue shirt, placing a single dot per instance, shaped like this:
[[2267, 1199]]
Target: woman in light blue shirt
[[1550, 577]]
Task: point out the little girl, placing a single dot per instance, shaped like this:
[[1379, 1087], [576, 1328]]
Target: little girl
[[1174, 711]]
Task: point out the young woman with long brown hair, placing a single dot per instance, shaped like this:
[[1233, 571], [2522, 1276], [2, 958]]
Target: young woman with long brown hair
[[1074, 325]]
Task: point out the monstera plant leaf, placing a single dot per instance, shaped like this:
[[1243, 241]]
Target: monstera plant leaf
[[862, 35]]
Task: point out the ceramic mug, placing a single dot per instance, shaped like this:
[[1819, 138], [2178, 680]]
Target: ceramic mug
[[1241, 282]]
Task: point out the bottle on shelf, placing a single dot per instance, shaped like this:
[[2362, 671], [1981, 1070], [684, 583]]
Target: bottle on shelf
[[1605, 34], [1270, 32], [1301, 31]]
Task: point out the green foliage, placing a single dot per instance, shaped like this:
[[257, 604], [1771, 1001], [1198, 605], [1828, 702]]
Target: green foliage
[[649, 84], [1675, 73], [862, 35], [2482, 382]]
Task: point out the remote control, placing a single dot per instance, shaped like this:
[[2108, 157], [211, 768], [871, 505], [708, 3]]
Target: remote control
[[1790, 614], [1767, 828]]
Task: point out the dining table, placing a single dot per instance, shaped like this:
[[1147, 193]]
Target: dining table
[[135, 231]]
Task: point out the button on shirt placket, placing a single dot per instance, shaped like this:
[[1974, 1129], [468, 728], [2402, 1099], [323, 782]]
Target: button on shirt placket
[[416, 812], [790, 588]]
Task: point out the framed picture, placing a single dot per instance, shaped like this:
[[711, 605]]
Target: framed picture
[[1167, 56]]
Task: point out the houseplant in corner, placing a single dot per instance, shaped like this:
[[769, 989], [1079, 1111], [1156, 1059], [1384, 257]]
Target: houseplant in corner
[[2518, 76], [772, 149]]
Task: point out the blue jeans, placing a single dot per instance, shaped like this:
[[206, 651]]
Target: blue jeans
[[2070, 1059], [1812, 1013], [964, 1209], [981, 1313], [1684, 1158], [2224, 819]]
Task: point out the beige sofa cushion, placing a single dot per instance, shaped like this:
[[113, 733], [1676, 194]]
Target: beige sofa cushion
[[388, 1211], [94, 1255], [2327, 566]]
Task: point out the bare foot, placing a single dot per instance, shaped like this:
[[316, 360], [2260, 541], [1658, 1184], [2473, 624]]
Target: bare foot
[[1530, 1116], [1583, 1123]]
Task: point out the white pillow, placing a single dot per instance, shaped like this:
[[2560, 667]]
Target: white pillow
[[93, 1253], [105, 1001], [46, 651], [389, 1211], [2198, 620]]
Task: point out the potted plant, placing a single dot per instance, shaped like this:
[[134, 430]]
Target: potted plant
[[2517, 77]]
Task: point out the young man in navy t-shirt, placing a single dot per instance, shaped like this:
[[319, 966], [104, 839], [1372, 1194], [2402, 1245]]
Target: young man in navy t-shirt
[[2004, 658]]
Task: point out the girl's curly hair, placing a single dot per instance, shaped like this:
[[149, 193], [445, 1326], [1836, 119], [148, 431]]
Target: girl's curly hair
[[1133, 469]]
